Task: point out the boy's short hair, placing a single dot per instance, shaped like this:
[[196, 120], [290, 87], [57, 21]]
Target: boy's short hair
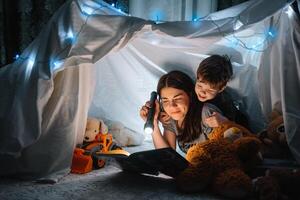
[[216, 70]]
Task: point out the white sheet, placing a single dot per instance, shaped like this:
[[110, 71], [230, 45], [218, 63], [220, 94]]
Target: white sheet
[[91, 61]]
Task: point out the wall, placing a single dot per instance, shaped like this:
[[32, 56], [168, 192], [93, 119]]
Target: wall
[[171, 10]]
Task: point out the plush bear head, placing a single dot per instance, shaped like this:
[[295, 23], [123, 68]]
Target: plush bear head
[[275, 132], [274, 136], [93, 127], [222, 162]]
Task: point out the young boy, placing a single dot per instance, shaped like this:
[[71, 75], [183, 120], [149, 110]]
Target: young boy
[[212, 76]]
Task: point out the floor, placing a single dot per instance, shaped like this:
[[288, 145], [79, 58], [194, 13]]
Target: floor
[[106, 183]]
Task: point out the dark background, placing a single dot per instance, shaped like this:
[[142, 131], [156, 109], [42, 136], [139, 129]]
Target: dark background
[[22, 20]]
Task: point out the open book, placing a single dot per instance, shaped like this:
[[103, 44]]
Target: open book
[[165, 160]]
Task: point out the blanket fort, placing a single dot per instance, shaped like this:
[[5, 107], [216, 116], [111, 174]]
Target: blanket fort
[[91, 60]]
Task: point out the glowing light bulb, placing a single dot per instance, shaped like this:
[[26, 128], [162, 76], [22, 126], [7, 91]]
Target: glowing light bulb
[[271, 34], [87, 10], [57, 64], [148, 130], [70, 34], [238, 24]]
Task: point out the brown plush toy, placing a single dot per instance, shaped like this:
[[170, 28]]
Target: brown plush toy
[[222, 162], [274, 137]]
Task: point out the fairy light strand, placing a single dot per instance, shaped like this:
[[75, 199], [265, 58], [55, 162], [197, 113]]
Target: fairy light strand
[[265, 42]]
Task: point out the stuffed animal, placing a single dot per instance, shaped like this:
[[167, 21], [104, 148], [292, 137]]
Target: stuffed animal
[[93, 127], [278, 184], [222, 162], [274, 137], [125, 136], [96, 139]]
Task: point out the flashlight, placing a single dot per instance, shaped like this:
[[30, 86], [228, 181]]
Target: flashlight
[[148, 127]]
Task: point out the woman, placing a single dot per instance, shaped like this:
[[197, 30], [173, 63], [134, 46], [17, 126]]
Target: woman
[[180, 111]]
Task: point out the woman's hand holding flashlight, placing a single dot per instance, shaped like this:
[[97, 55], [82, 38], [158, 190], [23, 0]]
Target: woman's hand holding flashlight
[[149, 113]]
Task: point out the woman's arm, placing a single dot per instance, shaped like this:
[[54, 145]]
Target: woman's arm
[[168, 139]]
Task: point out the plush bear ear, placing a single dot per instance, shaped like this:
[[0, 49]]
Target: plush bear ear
[[103, 127], [276, 111], [233, 134]]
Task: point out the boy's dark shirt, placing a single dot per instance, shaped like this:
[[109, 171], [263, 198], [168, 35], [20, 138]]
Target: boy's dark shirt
[[225, 103]]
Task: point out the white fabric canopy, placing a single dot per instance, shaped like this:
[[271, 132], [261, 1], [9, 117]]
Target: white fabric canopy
[[92, 60]]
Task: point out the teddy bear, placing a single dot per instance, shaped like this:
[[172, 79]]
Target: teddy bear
[[96, 139], [123, 135], [93, 127], [221, 163], [278, 184], [273, 137]]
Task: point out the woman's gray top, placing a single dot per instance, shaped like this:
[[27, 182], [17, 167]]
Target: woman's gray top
[[207, 111]]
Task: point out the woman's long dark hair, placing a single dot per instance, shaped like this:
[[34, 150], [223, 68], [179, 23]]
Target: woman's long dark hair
[[192, 120]]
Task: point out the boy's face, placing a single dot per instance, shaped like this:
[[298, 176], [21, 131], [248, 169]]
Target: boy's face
[[206, 91]]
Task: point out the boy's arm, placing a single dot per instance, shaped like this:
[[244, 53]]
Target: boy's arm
[[212, 116]]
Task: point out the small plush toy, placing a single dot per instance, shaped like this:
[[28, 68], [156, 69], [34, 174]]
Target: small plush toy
[[222, 162], [274, 137], [96, 139], [125, 136], [278, 184], [93, 127]]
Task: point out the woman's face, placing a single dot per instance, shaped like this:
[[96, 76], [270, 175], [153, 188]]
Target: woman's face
[[175, 102]]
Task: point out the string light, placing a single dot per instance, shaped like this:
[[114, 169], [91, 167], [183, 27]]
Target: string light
[[238, 24], [16, 56], [57, 64], [69, 36], [265, 40], [87, 10], [271, 32], [233, 42]]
